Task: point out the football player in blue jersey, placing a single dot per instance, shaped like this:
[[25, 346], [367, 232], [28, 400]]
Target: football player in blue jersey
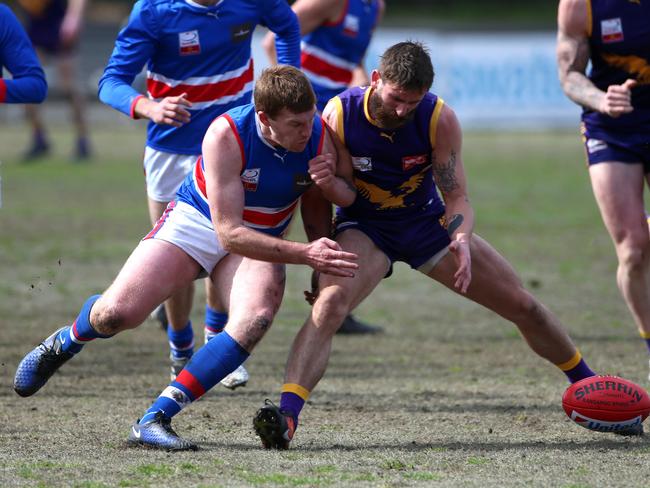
[[258, 163], [405, 145], [614, 36], [199, 65], [335, 38], [28, 84], [54, 27]]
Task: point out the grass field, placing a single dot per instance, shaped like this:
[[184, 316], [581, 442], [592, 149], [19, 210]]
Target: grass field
[[448, 396]]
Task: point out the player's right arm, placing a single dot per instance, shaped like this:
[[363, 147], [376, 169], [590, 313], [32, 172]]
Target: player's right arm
[[573, 53], [28, 84], [135, 46], [223, 165], [449, 175]]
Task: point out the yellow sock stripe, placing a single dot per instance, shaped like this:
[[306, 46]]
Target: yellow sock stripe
[[297, 389], [571, 363], [643, 334]]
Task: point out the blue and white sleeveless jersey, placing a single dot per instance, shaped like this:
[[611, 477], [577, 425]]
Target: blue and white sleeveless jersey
[[273, 178], [619, 40], [331, 52], [202, 51], [392, 168]]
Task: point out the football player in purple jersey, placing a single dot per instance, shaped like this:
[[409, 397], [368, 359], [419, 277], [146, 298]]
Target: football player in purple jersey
[[405, 144], [54, 27], [614, 36]]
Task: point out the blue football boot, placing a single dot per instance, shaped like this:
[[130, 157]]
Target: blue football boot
[[41, 363], [157, 433]]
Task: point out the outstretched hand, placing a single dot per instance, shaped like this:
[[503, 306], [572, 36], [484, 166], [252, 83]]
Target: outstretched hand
[[463, 258], [618, 99], [171, 111], [327, 256]]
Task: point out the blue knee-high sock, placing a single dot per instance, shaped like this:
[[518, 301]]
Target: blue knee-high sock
[[181, 342], [74, 337], [212, 363], [215, 321]]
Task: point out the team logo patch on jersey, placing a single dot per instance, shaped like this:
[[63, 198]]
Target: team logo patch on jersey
[[301, 182], [595, 145], [250, 178], [362, 163], [241, 32], [611, 30], [409, 162], [351, 25], [188, 43]]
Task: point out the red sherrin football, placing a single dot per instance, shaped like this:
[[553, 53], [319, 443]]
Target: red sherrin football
[[606, 403]]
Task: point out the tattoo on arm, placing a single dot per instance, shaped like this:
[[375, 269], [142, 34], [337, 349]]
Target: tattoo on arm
[[573, 57], [445, 174], [454, 223]]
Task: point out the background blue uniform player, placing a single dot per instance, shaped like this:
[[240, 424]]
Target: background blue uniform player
[[615, 36], [258, 162], [27, 83], [199, 65], [335, 38]]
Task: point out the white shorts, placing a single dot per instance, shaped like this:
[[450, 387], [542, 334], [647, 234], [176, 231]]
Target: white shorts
[[164, 172], [187, 228]]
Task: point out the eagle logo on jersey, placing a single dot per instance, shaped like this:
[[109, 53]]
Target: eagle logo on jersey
[[188, 43], [634, 65], [389, 199]]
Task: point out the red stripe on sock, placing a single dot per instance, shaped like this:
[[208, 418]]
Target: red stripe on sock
[[189, 381]]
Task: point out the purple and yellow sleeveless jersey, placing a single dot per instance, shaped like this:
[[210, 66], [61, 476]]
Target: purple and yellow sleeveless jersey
[[331, 52], [27, 84], [273, 178], [392, 168], [619, 39], [202, 51]]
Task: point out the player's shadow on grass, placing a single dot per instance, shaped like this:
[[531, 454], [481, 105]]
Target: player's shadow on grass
[[611, 443]]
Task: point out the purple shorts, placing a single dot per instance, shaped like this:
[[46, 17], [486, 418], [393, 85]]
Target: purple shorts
[[413, 240], [602, 146]]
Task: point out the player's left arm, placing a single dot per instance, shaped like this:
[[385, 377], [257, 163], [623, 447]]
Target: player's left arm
[[449, 175], [281, 20], [28, 84]]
